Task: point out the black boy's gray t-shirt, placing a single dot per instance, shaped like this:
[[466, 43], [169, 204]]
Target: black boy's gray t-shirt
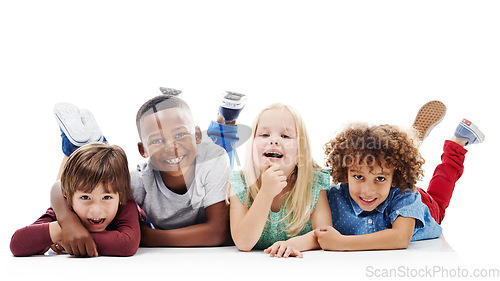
[[168, 210]]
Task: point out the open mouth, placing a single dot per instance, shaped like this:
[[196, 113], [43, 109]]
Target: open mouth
[[273, 155], [96, 221], [367, 201], [174, 160]]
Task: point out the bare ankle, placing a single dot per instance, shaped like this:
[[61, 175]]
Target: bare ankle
[[458, 140]]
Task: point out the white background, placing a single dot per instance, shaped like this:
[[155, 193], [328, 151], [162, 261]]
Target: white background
[[375, 61]]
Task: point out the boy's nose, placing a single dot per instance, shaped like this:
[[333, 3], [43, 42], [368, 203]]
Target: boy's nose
[[169, 144], [95, 210], [367, 189]]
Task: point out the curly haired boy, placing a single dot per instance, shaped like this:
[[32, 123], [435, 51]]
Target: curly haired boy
[[376, 204]]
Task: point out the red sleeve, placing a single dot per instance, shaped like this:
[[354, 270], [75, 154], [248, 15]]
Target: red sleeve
[[125, 238], [33, 239]]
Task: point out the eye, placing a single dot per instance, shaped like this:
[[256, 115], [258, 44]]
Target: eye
[[156, 141], [107, 197], [286, 136], [380, 179], [84, 197], [264, 135], [180, 135], [358, 177]]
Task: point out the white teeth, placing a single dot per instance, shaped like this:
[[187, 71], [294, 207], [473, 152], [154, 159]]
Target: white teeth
[[273, 154], [174, 161], [96, 221], [368, 200]]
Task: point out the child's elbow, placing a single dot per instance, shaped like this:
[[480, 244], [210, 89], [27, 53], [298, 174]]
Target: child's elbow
[[18, 246], [15, 248], [243, 247], [219, 236], [129, 251], [403, 242]]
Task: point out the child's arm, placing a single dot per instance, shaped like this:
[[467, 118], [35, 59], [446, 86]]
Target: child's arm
[[124, 241], [247, 225], [75, 238], [320, 218], [398, 237], [37, 237], [211, 233]]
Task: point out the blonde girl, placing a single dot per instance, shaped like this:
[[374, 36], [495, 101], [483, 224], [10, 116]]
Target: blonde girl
[[279, 197]]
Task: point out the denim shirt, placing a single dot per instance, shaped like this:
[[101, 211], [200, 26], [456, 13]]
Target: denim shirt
[[349, 219]]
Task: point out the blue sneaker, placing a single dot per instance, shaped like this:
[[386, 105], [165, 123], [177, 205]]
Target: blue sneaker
[[468, 131], [231, 105]]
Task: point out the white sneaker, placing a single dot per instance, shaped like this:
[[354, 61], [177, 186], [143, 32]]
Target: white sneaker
[[91, 126], [70, 122]]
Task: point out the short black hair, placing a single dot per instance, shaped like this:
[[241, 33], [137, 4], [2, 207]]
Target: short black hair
[[156, 104]]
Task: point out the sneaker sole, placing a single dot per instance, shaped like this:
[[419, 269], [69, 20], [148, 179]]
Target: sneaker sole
[[91, 126], [232, 100], [429, 115], [170, 91], [68, 119]]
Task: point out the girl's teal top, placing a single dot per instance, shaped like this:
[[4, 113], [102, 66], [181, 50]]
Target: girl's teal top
[[275, 228]]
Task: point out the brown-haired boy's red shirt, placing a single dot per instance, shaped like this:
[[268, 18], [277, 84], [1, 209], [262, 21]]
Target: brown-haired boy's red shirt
[[121, 237]]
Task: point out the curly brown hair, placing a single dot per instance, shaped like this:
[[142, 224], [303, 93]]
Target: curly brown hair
[[381, 144]]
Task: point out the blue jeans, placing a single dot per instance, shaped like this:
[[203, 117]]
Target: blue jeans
[[225, 137]]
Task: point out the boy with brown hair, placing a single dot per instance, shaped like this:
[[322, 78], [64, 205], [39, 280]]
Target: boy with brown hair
[[96, 186]]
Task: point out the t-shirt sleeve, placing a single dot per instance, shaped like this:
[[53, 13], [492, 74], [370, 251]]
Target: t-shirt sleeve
[[124, 239], [408, 205], [216, 180], [139, 193], [238, 185], [321, 182]]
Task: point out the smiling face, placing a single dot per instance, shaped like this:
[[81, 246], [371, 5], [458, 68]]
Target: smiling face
[[369, 186], [169, 139], [96, 209], [276, 140]]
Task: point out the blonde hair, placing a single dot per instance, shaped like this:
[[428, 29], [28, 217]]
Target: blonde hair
[[298, 201]]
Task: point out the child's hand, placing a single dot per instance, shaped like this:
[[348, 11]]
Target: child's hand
[[283, 249], [330, 239], [57, 248], [273, 179], [77, 241]]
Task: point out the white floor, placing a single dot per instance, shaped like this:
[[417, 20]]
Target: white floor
[[334, 61], [431, 258]]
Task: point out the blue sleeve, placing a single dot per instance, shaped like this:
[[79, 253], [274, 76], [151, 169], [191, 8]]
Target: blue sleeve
[[408, 205]]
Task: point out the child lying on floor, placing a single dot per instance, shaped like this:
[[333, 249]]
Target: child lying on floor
[[96, 184], [377, 205]]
